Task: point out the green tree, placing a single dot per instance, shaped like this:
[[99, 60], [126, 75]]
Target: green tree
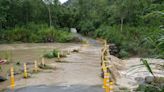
[[4, 7]]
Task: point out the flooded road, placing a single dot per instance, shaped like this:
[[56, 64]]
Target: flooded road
[[79, 72], [82, 70], [78, 69], [27, 52]]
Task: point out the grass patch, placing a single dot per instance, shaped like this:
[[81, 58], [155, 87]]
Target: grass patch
[[54, 54]]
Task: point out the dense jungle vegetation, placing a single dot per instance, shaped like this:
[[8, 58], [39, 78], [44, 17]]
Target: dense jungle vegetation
[[135, 26]]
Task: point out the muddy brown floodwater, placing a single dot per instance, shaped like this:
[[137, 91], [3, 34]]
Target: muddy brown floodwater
[[79, 71], [81, 68], [28, 53]]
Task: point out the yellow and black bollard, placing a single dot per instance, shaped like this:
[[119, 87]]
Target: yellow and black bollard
[[12, 80], [105, 43], [111, 86], [25, 71], [68, 52], [104, 68], [58, 57], [43, 63], [106, 82], [35, 66]]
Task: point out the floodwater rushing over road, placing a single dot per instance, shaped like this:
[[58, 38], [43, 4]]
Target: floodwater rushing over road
[[80, 72]]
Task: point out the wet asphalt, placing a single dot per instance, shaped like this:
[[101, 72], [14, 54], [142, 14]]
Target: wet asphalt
[[75, 88]]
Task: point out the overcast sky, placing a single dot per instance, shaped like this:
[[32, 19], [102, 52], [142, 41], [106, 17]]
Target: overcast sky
[[62, 1]]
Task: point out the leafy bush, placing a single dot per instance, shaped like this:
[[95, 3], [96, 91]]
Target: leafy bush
[[154, 18], [124, 53], [86, 27], [36, 33], [141, 41], [49, 55], [53, 54]]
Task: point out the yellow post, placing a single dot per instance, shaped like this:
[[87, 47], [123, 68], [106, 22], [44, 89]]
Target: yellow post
[[68, 52], [35, 66], [102, 56], [104, 67], [111, 86], [105, 43], [87, 43], [58, 56], [12, 80], [25, 71], [43, 63], [106, 82], [107, 87]]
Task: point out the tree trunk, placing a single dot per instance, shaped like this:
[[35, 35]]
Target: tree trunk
[[49, 13], [122, 22], [26, 18]]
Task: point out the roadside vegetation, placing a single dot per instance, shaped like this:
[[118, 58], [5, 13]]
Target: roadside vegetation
[[136, 27], [141, 41], [33, 33]]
